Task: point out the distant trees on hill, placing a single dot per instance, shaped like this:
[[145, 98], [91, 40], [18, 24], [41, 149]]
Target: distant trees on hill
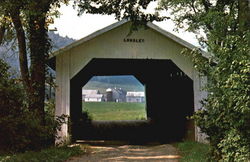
[[126, 79], [9, 51]]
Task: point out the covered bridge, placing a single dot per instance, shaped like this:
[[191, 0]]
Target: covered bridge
[[151, 54]]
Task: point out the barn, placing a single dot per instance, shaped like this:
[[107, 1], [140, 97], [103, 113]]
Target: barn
[[152, 55]]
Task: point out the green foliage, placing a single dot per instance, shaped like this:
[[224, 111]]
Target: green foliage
[[54, 154], [206, 18], [11, 108], [86, 117], [235, 146], [24, 123], [115, 111], [28, 22], [225, 114], [20, 128], [121, 9], [193, 151]]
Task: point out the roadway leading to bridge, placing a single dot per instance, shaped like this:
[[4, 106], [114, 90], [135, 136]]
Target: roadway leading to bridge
[[131, 153]]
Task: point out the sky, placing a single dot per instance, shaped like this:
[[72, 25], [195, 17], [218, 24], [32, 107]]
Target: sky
[[77, 27]]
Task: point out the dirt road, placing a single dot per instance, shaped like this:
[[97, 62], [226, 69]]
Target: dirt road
[[136, 153]]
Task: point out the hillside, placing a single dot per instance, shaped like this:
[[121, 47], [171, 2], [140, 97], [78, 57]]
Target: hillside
[[9, 53], [126, 82]]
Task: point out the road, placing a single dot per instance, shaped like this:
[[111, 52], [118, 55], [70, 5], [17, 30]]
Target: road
[[130, 153]]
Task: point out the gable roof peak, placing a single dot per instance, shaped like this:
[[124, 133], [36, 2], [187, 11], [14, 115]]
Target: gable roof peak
[[119, 23]]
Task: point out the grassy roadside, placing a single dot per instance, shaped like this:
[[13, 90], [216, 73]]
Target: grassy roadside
[[193, 151], [53, 154]]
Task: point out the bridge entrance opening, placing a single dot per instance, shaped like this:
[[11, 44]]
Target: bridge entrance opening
[[169, 101], [114, 98]]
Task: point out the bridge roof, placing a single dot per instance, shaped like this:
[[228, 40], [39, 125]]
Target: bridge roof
[[165, 33]]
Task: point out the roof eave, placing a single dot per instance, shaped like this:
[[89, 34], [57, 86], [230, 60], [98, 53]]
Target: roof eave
[[87, 38], [177, 39]]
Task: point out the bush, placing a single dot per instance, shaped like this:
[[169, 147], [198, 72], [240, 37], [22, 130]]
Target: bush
[[234, 147], [21, 128], [12, 109], [225, 116], [53, 154]]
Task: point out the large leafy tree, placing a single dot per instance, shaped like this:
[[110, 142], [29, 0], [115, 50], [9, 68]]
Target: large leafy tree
[[27, 21], [225, 32]]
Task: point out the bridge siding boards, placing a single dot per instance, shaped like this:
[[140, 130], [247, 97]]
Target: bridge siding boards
[[108, 43]]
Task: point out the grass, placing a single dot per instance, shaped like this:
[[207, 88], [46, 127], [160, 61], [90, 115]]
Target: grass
[[115, 111], [53, 154], [193, 151]]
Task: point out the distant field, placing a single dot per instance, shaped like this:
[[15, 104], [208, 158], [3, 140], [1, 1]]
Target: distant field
[[115, 111]]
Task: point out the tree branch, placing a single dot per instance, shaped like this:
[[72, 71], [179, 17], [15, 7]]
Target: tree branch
[[2, 31], [193, 6], [206, 5]]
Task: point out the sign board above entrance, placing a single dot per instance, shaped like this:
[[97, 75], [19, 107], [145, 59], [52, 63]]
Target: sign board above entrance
[[133, 40]]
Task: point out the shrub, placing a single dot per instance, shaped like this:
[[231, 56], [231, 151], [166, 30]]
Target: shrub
[[225, 116], [12, 109], [234, 146], [21, 128], [53, 154]]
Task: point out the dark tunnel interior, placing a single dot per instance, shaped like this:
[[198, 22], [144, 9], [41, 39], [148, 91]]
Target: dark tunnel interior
[[169, 100]]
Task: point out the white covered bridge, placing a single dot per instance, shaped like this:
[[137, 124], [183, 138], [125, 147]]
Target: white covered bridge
[[151, 54]]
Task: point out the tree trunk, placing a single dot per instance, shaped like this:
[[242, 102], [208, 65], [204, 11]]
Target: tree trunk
[[38, 50], [39, 46], [244, 15], [23, 63]]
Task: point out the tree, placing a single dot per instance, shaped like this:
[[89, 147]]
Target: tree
[[29, 20], [122, 9], [226, 26], [33, 128]]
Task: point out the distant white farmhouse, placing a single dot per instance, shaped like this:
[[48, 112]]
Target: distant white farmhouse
[[135, 97], [92, 96]]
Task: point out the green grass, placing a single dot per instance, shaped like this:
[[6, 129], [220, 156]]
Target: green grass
[[53, 154], [193, 151], [115, 111]]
